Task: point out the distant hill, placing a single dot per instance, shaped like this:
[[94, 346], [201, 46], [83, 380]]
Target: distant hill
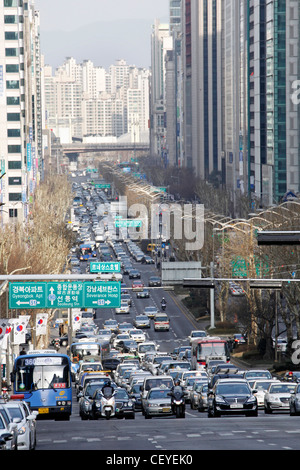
[[102, 43]]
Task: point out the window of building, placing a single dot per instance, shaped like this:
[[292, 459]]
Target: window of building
[[13, 213], [15, 165], [14, 148], [13, 197], [13, 116], [13, 132], [12, 68], [15, 181], [13, 100]]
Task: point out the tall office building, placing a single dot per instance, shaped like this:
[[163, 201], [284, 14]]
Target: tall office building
[[273, 31], [21, 150], [161, 42], [202, 45], [234, 163]]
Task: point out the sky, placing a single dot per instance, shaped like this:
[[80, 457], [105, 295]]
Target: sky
[[100, 30]]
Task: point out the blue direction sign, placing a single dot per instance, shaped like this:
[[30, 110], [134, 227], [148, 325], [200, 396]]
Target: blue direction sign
[[102, 294], [27, 295], [102, 267]]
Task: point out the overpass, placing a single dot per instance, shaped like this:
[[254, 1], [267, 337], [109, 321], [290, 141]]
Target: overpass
[[81, 148]]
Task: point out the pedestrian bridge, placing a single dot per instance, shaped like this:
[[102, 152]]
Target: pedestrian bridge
[[81, 148]]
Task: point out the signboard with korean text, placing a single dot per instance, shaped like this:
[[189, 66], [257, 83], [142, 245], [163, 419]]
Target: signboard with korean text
[[43, 295]]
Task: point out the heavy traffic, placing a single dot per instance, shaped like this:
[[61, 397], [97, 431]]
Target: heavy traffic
[[143, 360]]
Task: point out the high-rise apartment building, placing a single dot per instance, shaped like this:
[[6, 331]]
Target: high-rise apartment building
[[21, 149], [161, 42], [91, 101]]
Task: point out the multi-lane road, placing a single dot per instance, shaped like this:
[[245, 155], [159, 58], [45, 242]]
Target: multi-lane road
[[117, 438]]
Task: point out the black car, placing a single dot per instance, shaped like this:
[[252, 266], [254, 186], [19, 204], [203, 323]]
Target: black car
[[154, 281], [134, 274], [124, 404], [135, 395], [143, 294], [231, 396]]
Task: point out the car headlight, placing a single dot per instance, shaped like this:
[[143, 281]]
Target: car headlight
[[251, 399], [22, 430], [219, 399], [153, 405], [130, 403], [98, 404], [274, 398]]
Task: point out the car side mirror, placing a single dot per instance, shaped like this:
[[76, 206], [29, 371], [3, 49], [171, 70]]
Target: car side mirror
[[254, 391]]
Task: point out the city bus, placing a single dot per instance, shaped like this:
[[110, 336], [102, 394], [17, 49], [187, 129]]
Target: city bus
[[43, 379], [86, 350], [206, 348], [87, 251]]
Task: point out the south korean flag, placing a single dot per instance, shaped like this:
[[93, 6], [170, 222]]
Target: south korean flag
[[20, 328], [6, 326]]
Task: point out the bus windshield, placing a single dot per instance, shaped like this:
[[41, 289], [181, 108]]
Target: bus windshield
[[36, 373], [211, 349], [85, 351]]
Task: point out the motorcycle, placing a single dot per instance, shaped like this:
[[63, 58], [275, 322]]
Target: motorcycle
[[178, 403], [163, 306], [57, 344], [108, 405]]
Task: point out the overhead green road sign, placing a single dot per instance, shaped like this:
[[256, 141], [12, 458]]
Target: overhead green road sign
[[27, 295], [102, 267], [64, 294], [102, 294], [128, 223], [101, 186], [44, 295]]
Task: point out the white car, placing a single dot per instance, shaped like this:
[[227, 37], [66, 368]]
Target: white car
[[138, 335], [124, 307], [262, 386], [196, 334], [118, 338], [26, 422], [277, 397]]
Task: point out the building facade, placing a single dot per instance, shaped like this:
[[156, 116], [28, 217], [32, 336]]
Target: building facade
[[21, 145]]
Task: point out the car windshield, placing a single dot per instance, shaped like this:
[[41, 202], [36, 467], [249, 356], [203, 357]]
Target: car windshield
[[250, 375], [121, 394], [282, 388], [158, 394], [91, 388], [261, 385], [160, 359], [15, 412], [232, 389], [146, 347]]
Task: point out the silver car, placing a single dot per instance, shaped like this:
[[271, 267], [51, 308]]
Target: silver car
[[157, 403], [277, 397], [295, 402], [26, 423]]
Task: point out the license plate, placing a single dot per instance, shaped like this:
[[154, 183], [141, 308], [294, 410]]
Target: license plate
[[166, 410], [43, 410], [235, 405]]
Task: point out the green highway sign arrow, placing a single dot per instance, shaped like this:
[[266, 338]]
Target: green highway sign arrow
[[64, 294], [102, 294], [27, 295], [44, 295]]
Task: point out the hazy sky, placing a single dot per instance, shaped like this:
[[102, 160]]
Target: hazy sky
[[67, 28]]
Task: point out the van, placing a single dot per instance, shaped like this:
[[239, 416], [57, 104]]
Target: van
[[155, 381], [161, 322]]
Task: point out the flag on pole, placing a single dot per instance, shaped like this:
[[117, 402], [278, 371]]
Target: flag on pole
[[76, 319], [20, 329], [6, 326], [41, 323]]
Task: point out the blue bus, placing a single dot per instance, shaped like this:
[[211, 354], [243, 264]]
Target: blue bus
[[43, 378], [87, 251]]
